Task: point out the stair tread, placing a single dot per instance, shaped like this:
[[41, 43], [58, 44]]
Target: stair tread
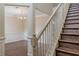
[[70, 34], [70, 41], [70, 29], [68, 50], [77, 17], [74, 7], [71, 26], [74, 4], [67, 37], [73, 12], [72, 15], [70, 23]]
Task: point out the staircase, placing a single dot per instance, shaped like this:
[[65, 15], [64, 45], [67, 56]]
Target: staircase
[[69, 41]]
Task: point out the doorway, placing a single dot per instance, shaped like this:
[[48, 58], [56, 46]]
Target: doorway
[[15, 43]]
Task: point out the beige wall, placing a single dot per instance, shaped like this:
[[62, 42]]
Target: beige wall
[[40, 22], [13, 24], [14, 29], [46, 7]]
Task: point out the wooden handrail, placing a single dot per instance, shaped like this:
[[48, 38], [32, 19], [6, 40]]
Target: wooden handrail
[[39, 34]]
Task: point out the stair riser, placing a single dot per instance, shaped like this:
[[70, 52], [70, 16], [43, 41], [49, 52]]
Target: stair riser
[[72, 15], [71, 31], [73, 18], [71, 26], [70, 37], [63, 54], [74, 8], [75, 5], [69, 45], [72, 21], [74, 12]]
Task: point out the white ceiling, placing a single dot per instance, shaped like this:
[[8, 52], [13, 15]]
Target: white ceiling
[[18, 11]]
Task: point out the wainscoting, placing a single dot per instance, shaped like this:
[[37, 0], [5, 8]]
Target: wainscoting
[[13, 37]]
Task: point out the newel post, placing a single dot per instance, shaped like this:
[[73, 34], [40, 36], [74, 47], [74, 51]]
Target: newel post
[[31, 30], [34, 43]]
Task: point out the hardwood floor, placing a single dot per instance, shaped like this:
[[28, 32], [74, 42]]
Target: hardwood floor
[[18, 48]]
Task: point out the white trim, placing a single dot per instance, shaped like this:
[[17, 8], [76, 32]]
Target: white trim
[[19, 4]]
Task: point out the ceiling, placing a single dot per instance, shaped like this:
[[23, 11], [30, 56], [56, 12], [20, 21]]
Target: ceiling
[[21, 10], [18, 11]]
